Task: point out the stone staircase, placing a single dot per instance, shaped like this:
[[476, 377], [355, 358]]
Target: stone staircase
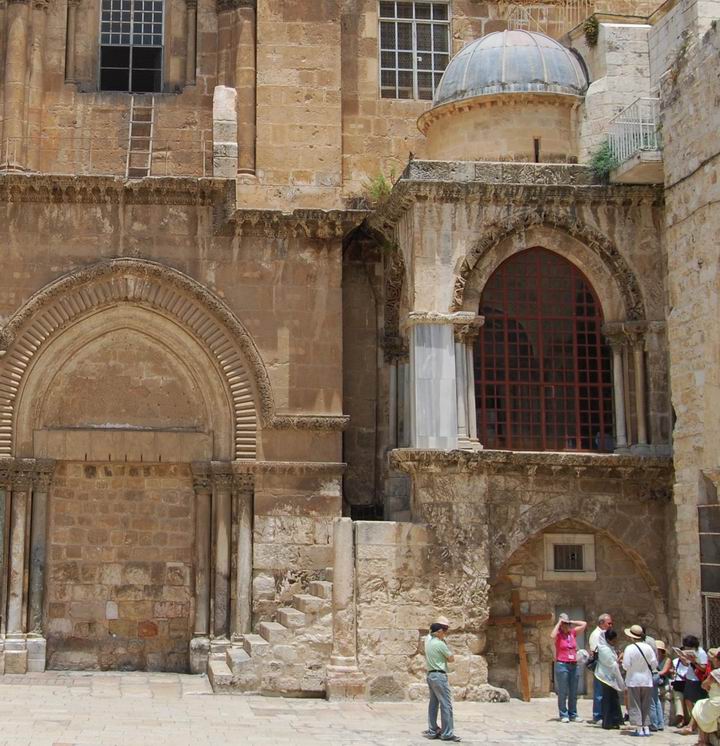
[[286, 657]]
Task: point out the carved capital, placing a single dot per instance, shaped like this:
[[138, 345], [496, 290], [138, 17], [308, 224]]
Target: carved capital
[[22, 478], [467, 331], [221, 475], [243, 483], [42, 477], [5, 473], [191, 3], [42, 5], [223, 5], [202, 483], [395, 349]]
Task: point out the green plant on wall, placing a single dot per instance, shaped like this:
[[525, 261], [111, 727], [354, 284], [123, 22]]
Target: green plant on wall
[[602, 161], [378, 187], [591, 29]]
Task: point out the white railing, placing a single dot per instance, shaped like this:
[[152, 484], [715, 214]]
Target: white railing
[[634, 129], [554, 20], [187, 154]]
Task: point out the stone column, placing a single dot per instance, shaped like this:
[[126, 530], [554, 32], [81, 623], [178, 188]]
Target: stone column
[[190, 41], [472, 404], [243, 488], [222, 527], [38, 547], [638, 348], [617, 343], [461, 392], [16, 54], [70, 43], [465, 335], [5, 471], [344, 680], [245, 83], [200, 644]]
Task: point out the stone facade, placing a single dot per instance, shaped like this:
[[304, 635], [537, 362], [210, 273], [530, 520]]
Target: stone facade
[[225, 341]]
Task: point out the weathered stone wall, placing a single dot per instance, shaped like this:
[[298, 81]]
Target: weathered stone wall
[[119, 588], [401, 589], [691, 134], [620, 589]]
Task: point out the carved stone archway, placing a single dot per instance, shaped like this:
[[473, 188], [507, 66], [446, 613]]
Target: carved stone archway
[[597, 243], [152, 286]]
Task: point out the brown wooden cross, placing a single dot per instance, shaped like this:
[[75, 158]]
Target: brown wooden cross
[[518, 619]]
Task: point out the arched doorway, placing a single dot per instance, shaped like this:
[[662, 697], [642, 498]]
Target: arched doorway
[[543, 371]]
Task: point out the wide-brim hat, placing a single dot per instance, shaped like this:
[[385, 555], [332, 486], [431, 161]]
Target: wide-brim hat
[[660, 645], [635, 632], [443, 620], [713, 652]]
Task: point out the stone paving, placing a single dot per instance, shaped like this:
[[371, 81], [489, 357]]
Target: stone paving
[[133, 709]]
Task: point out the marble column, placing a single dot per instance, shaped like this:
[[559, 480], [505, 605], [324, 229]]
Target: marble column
[[38, 547], [465, 335], [617, 344], [203, 513], [222, 528], [638, 348], [190, 41], [246, 83], [461, 393], [20, 503], [4, 529], [344, 680], [16, 56], [70, 41], [243, 489], [36, 92]]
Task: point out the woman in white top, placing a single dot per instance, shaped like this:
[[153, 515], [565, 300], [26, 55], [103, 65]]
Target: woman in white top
[[706, 712], [639, 662]]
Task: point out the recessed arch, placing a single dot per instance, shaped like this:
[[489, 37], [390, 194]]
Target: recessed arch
[[593, 253], [161, 290]]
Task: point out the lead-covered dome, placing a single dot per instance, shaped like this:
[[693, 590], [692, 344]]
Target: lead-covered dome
[[511, 62]]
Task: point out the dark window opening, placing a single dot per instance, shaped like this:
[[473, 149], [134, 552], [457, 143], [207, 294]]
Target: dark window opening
[[536, 149], [543, 370], [568, 558]]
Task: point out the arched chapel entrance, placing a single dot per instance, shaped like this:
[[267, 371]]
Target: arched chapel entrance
[[128, 406]]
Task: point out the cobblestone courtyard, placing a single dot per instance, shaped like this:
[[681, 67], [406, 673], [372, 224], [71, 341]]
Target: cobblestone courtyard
[[129, 709]]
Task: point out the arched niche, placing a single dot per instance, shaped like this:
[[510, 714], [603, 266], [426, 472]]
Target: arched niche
[[181, 313], [124, 383]]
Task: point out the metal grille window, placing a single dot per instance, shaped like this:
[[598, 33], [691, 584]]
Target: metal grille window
[[414, 48], [568, 558], [131, 41], [543, 370]]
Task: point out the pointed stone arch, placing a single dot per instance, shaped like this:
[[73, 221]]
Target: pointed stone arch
[[567, 223], [153, 286]]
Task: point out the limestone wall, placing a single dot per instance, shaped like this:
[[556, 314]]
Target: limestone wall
[[400, 591], [120, 551], [691, 127]]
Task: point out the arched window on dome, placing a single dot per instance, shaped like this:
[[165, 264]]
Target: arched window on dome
[[543, 371]]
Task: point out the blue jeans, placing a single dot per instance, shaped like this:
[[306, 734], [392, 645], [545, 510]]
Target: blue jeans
[[657, 719], [566, 682], [440, 695], [597, 699]]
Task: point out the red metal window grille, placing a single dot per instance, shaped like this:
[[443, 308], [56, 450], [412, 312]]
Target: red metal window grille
[[543, 372]]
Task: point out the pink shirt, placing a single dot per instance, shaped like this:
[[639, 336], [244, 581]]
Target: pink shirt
[[566, 646]]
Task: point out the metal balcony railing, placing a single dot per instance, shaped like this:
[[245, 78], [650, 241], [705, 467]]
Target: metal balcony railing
[[186, 155], [554, 20], [634, 129]]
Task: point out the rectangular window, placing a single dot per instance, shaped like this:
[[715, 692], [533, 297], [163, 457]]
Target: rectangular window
[[414, 47], [568, 557], [131, 45]]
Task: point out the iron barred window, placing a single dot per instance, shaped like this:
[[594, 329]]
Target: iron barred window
[[568, 558], [543, 370], [131, 45], [414, 48]]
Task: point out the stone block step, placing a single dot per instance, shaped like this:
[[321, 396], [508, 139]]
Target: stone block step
[[321, 588], [238, 659], [291, 618], [274, 632], [220, 675], [255, 645], [309, 604]]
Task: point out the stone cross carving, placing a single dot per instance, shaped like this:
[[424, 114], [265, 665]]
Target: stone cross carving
[[518, 620]]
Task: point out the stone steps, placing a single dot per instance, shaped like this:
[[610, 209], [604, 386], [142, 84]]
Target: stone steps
[[285, 656]]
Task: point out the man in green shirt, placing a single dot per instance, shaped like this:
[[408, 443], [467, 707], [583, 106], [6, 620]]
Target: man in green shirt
[[437, 656]]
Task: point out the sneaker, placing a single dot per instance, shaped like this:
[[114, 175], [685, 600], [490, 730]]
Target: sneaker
[[454, 739], [431, 734], [637, 734], [576, 720], [565, 720]]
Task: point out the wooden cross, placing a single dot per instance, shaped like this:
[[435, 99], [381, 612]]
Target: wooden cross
[[518, 619]]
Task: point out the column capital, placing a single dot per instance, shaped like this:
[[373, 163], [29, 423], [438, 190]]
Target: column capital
[[43, 474], [416, 318], [202, 483], [191, 3], [243, 483], [467, 331], [395, 349], [6, 471], [222, 475], [223, 5]]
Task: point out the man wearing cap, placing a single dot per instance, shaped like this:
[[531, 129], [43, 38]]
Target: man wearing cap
[[640, 663], [564, 635], [437, 656]]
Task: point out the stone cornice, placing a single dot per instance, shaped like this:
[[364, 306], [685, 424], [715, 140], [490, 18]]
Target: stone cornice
[[22, 473], [54, 189], [309, 422], [317, 224], [528, 463], [308, 468]]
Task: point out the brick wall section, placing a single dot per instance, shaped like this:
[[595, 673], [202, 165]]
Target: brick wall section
[[119, 588]]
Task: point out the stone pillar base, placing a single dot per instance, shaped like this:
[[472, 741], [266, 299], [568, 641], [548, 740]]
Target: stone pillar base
[[36, 654], [345, 682], [16, 655], [199, 654]]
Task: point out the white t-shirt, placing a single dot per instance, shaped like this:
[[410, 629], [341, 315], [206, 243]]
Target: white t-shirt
[[638, 669], [595, 637], [687, 673]]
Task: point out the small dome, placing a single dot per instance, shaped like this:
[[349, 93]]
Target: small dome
[[511, 62]]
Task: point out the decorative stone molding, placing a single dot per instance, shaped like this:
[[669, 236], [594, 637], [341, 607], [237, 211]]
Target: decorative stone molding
[[243, 483], [314, 224], [308, 468], [308, 422], [149, 284], [467, 331], [457, 318], [565, 221], [222, 5], [394, 346]]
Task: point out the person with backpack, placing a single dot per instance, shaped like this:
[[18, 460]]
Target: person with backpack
[[640, 664]]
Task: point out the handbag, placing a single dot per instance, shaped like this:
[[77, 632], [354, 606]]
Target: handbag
[[592, 661]]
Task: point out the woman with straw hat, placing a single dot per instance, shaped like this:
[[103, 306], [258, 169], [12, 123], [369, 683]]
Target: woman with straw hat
[[640, 663], [706, 712]]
